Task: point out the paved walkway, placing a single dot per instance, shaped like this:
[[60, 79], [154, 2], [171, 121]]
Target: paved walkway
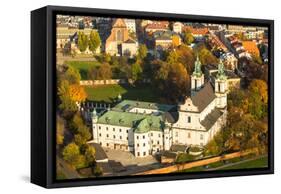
[[128, 159]]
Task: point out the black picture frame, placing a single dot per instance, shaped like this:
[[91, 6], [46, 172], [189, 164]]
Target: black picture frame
[[43, 95]]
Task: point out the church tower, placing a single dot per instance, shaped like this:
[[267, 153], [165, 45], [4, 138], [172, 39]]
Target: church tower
[[221, 87], [197, 77]]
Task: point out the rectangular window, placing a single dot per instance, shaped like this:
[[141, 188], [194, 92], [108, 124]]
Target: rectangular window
[[151, 134], [113, 136], [107, 144], [100, 134], [138, 145], [143, 137], [120, 130], [99, 127], [189, 119], [189, 135], [106, 128], [138, 154], [107, 135], [177, 134], [127, 131], [143, 144], [113, 129], [144, 153], [201, 136], [159, 135], [120, 137], [137, 137], [158, 142]]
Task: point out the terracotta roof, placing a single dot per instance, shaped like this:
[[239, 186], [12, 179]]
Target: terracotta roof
[[204, 97], [251, 47], [197, 31]]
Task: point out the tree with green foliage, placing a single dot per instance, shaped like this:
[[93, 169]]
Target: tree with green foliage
[[142, 52], [67, 105], [94, 41], [206, 56], [90, 155], [188, 38], [136, 71], [104, 72], [60, 130], [72, 75], [82, 41], [71, 154]]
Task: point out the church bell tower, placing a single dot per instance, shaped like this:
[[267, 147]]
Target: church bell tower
[[197, 77], [221, 87]]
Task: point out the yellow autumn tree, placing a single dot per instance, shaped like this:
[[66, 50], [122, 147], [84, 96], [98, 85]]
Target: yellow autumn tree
[[77, 93]]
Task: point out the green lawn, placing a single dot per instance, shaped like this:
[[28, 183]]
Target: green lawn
[[258, 163], [83, 66], [108, 93]]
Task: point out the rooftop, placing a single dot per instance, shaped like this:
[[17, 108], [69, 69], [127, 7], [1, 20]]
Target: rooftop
[[204, 97], [127, 105], [211, 118], [140, 122]]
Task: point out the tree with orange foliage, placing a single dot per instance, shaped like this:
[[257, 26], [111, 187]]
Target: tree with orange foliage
[[77, 93]]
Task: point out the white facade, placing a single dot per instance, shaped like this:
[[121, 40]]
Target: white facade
[[144, 129]]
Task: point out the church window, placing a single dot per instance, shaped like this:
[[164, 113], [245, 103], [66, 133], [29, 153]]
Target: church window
[[119, 35]]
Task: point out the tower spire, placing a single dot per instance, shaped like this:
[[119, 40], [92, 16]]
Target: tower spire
[[221, 74], [197, 68]]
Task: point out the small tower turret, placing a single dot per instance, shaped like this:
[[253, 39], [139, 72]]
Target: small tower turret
[[94, 117], [221, 87], [197, 77]]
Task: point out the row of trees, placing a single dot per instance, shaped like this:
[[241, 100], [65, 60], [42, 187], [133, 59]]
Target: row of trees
[[247, 121], [73, 147], [92, 41]]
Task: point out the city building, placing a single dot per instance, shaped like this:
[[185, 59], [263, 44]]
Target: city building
[[145, 128], [119, 42]]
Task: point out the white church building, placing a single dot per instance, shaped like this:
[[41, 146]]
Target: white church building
[[145, 128]]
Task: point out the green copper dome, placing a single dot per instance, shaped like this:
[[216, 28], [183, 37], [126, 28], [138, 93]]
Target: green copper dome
[[197, 68]]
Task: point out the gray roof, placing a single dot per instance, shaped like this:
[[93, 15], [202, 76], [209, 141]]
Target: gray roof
[[211, 118], [204, 97], [178, 148], [100, 153]]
